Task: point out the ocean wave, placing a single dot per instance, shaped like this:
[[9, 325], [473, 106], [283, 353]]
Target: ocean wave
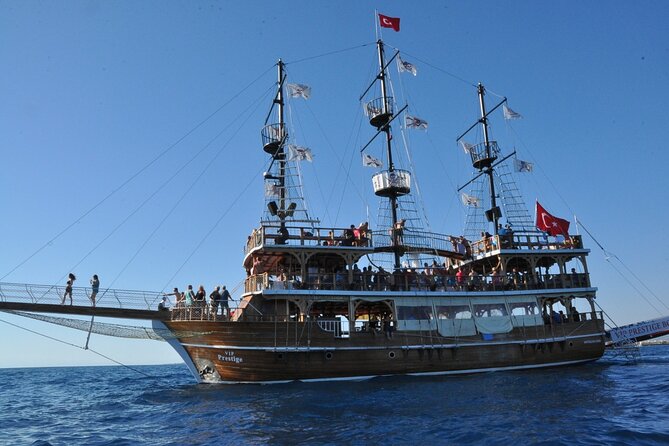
[[605, 402]]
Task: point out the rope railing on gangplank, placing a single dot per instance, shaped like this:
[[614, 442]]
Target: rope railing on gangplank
[[40, 295]]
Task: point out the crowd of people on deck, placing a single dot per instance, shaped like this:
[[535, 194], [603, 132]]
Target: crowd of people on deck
[[189, 299], [353, 236], [432, 277], [219, 298]]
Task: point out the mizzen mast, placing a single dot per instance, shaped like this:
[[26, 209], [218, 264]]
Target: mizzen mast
[[484, 158]]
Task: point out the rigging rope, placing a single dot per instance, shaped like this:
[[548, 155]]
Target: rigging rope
[[194, 182], [454, 76], [607, 254], [330, 53], [135, 175], [300, 190], [215, 225], [405, 141], [107, 329], [342, 166], [77, 346]]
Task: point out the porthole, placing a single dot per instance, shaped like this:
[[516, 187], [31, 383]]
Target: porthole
[[571, 344], [328, 355], [279, 356], [391, 355]]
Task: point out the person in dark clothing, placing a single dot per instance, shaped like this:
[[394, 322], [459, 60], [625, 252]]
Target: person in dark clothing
[[214, 300], [349, 236], [225, 305]]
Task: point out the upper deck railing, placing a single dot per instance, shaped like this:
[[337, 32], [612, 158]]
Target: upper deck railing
[[524, 241], [415, 279], [409, 240], [270, 235], [416, 240]]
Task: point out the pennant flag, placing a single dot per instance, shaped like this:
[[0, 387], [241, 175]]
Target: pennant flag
[[299, 90], [469, 200], [406, 66], [389, 22], [414, 122], [523, 166], [272, 190], [466, 147], [370, 161], [510, 114], [299, 153], [548, 223]]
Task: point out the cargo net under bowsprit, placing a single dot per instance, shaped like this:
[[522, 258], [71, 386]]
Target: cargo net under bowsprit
[[116, 330]]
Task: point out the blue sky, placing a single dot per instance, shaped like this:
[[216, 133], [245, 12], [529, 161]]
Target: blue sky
[[93, 91]]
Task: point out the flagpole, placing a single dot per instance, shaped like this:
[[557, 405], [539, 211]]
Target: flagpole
[[377, 31]]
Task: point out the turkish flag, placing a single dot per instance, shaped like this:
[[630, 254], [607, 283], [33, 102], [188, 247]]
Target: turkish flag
[[548, 223], [389, 22]]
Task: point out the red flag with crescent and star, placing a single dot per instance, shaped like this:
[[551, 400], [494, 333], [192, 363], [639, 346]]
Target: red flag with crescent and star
[[548, 223], [389, 22]]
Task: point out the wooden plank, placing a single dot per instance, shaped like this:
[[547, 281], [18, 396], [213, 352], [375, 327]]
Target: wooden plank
[[121, 313]]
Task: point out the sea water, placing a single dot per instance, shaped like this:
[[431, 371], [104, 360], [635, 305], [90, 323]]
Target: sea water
[[611, 401]]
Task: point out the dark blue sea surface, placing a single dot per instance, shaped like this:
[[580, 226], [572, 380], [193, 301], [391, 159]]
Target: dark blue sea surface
[[607, 402]]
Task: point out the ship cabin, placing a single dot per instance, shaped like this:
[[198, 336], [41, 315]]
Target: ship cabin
[[482, 288]]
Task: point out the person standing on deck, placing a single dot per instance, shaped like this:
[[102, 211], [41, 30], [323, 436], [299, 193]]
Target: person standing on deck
[[189, 296], [201, 301], [214, 299], [178, 297], [225, 305], [95, 287], [68, 288]]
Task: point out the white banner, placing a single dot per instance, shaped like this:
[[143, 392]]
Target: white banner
[[642, 329]]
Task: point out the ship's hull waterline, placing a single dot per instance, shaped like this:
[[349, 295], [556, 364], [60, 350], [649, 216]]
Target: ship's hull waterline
[[223, 353]]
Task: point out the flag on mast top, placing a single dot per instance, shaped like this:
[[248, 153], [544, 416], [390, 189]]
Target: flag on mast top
[[389, 22]]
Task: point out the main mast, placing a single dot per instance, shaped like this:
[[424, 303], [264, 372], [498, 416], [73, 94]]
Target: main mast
[[387, 110]]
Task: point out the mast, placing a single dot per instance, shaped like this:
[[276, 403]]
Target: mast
[[281, 154], [494, 213], [391, 167], [283, 186]]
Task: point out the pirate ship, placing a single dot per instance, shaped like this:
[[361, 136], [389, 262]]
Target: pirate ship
[[505, 296], [508, 299]]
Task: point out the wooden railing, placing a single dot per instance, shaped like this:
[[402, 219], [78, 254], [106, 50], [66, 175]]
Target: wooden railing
[[524, 242], [415, 280], [305, 236]]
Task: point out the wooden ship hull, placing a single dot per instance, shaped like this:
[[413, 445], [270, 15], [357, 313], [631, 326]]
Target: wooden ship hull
[[247, 351]]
